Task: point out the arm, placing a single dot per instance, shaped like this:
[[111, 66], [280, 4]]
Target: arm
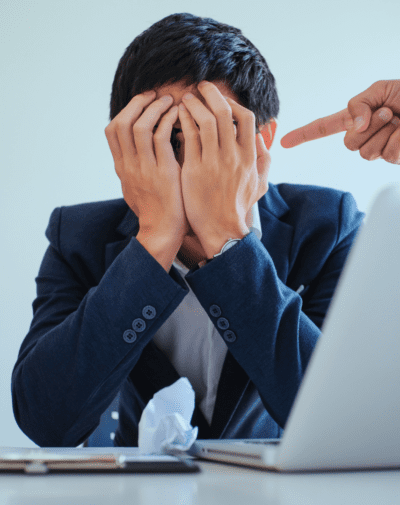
[[74, 359], [275, 333]]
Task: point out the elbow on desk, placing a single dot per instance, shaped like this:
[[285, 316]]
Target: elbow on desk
[[42, 433], [36, 420]]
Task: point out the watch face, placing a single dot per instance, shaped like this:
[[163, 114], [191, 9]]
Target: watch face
[[230, 244]]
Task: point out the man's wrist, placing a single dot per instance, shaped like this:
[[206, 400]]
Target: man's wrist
[[214, 245], [163, 249]]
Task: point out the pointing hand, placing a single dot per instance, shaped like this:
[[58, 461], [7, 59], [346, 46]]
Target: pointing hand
[[370, 122]]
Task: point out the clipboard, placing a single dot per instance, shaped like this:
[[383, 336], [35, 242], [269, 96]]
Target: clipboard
[[42, 462]]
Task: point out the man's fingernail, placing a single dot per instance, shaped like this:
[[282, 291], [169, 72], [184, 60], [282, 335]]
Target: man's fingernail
[[384, 114], [358, 122]]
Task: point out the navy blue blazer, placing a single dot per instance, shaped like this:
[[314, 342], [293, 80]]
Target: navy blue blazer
[[96, 278]]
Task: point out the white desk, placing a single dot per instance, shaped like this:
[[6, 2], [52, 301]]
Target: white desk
[[217, 484]]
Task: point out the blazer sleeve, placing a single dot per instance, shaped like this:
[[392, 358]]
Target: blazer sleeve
[[74, 359], [275, 333]]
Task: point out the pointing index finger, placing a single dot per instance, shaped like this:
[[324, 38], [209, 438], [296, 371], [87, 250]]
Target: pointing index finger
[[323, 127]]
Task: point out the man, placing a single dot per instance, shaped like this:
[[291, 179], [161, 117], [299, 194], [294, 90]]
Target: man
[[202, 270]]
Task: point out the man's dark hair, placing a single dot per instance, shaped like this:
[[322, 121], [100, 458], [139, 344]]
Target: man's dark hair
[[188, 48]]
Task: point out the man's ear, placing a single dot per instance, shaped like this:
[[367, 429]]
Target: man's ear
[[268, 132]]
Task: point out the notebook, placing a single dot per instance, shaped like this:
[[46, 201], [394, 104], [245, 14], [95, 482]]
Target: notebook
[[346, 414], [44, 460]]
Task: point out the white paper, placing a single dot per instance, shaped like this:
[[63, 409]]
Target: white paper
[[164, 427]]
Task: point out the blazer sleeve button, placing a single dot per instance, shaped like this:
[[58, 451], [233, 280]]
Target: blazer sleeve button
[[129, 336], [223, 323], [139, 325], [215, 310], [229, 336], [149, 312]]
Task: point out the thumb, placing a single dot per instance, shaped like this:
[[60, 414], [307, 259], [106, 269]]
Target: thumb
[[361, 114]]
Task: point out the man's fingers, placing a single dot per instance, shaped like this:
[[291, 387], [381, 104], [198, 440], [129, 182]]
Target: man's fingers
[[126, 117], [391, 153], [361, 113], [354, 140], [320, 128], [375, 147]]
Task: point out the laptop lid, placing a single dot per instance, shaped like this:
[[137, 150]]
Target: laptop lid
[[347, 411]]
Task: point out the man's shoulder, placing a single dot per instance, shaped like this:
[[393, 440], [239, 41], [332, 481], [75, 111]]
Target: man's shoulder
[[103, 210], [296, 195], [312, 209], [87, 221], [306, 201], [102, 216]]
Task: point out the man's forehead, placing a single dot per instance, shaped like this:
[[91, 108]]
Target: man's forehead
[[178, 89], [181, 87]]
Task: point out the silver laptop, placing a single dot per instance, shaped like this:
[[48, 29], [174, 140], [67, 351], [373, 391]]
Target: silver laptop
[[346, 414]]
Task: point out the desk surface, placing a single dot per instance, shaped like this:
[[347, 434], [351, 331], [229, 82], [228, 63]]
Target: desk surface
[[217, 484]]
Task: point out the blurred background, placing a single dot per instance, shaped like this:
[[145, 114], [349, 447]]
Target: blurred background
[[58, 61]]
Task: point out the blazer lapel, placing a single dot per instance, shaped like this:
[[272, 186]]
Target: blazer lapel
[[231, 386], [277, 235], [277, 238]]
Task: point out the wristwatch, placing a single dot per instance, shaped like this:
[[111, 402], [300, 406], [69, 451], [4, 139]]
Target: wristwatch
[[231, 242]]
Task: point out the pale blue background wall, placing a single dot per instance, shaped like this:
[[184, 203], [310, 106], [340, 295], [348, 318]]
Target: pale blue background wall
[[58, 61]]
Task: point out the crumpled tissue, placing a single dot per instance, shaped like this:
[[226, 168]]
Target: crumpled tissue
[[164, 427]]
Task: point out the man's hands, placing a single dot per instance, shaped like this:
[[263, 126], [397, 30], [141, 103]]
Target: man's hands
[[150, 175], [222, 175], [224, 172], [375, 135]]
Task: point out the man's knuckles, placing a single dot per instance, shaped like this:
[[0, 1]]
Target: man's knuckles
[[369, 155], [353, 140], [385, 144], [391, 152]]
